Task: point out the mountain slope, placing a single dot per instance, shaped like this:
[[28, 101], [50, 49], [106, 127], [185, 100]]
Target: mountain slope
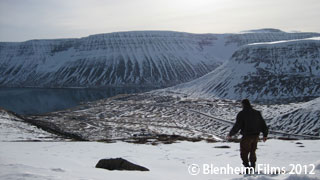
[[302, 120], [12, 128], [146, 58], [276, 71]]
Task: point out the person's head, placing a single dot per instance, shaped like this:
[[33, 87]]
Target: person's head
[[246, 104]]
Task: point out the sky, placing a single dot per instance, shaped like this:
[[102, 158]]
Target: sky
[[22, 20]]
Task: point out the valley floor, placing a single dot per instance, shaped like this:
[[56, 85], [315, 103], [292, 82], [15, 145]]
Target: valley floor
[[77, 160]]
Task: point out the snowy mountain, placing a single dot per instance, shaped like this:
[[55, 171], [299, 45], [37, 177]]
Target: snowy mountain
[[276, 71], [145, 58]]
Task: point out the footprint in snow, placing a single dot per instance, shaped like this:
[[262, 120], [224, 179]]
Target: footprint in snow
[[57, 170]]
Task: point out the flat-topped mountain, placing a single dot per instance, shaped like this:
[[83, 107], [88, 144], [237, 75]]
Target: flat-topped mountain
[[141, 58]]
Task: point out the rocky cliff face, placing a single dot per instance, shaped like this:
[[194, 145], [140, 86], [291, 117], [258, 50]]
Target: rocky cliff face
[[146, 58], [281, 71]]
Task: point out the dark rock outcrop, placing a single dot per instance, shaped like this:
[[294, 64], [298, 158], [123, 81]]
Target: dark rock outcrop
[[119, 164]]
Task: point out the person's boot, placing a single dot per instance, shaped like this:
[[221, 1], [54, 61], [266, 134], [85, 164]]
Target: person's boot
[[246, 165], [253, 165]]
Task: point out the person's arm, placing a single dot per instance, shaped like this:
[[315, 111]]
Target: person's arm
[[236, 127]]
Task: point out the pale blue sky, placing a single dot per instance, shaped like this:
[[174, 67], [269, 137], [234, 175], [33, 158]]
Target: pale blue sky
[[22, 20]]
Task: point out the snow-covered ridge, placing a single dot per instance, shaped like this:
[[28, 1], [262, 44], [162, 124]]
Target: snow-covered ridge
[[12, 128], [282, 43], [140, 58], [285, 71]]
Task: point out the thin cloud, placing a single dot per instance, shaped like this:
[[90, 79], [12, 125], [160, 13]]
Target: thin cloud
[[34, 19]]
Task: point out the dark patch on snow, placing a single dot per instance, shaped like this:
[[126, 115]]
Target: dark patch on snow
[[223, 147]]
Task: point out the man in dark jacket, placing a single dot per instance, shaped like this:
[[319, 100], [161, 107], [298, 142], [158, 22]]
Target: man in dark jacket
[[250, 123]]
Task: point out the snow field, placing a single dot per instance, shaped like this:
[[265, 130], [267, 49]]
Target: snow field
[[77, 160]]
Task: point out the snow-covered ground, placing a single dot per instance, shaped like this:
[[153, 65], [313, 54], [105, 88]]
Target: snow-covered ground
[[77, 160], [22, 158]]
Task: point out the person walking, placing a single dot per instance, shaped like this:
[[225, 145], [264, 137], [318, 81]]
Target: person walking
[[250, 123]]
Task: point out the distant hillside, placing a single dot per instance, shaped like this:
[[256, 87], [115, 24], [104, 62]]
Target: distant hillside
[[145, 58], [277, 71]]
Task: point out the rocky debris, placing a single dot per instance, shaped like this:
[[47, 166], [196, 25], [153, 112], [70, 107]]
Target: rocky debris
[[164, 139]]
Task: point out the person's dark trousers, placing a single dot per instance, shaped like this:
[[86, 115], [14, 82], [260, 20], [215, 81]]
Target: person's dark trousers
[[248, 146]]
